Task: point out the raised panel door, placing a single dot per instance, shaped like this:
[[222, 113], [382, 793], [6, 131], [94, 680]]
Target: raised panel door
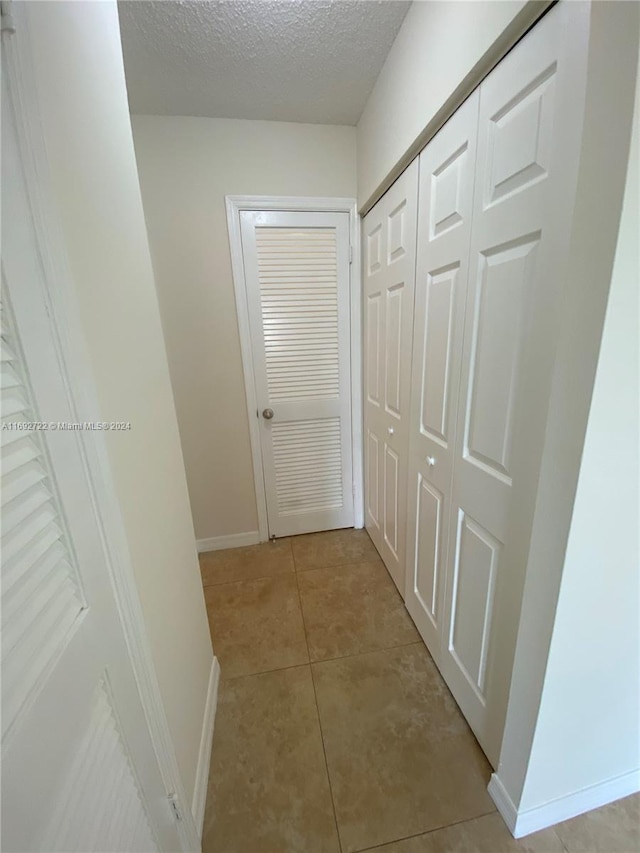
[[389, 235], [529, 132], [444, 233]]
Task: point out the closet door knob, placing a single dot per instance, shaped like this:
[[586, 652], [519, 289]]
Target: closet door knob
[[431, 461], [267, 414], [390, 430]]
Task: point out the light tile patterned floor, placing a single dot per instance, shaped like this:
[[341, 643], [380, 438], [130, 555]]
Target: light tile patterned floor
[[335, 732]]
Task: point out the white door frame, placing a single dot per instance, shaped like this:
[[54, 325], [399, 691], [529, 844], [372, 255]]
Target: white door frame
[[60, 299], [235, 204]]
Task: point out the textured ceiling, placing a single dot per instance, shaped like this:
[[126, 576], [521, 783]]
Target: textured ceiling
[[284, 60]]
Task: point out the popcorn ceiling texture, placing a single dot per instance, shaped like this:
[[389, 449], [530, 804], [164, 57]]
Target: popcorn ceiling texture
[[284, 60]]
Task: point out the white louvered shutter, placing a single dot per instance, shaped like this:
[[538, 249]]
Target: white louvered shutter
[[297, 278], [96, 805], [80, 770], [41, 597], [99, 806]]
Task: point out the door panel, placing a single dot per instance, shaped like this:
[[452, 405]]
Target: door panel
[[444, 233], [391, 489], [429, 565], [372, 311], [529, 131], [297, 279], [474, 573], [389, 233], [438, 352], [393, 349], [373, 474], [495, 355]]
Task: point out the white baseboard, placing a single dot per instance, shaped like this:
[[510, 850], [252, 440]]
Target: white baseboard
[[234, 540], [531, 820], [503, 802], [204, 754]]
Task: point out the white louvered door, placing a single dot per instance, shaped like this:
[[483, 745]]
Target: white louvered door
[[297, 279], [79, 770]]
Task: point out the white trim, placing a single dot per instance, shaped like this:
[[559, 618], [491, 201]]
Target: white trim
[[204, 753], [235, 204], [62, 306], [233, 540], [357, 416], [564, 808], [503, 802]]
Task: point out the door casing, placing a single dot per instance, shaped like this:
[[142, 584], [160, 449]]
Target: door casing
[[235, 205]]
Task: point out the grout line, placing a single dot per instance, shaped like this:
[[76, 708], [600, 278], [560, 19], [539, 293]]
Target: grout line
[[247, 580], [263, 672], [315, 699], [375, 558], [427, 832], [370, 651], [304, 624], [326, 762], [324, 660]]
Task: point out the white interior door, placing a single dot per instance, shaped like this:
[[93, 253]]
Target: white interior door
[[447, 170], [297, 280], [79, 770], [389, 237], [529, 136]]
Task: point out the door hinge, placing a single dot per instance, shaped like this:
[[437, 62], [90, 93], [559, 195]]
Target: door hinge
[[175, 808], [350, 254]]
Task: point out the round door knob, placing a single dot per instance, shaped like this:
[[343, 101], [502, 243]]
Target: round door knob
[[267, 414], [431, 461], [390, 430]]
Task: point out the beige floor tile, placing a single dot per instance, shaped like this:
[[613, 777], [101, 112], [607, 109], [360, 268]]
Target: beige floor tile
[[332, 548], [483, 835], [611, 829], [256, 625], [268, 786], [352, 609], [252, 561], [402, 760]]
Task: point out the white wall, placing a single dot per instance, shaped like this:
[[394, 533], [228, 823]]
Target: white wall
[[438, 45], [187, 166], [79, 77], [590, 704]]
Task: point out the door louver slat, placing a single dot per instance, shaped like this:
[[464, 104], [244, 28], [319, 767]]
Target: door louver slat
[[41, 598], [301, 450], [101, 781], [299, 298]]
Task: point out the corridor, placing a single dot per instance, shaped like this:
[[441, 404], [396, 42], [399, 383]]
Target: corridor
[[334, 729]]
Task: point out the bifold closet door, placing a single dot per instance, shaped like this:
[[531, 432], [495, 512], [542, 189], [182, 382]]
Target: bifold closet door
[[447, 168], [478, 528], [389, 238]]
